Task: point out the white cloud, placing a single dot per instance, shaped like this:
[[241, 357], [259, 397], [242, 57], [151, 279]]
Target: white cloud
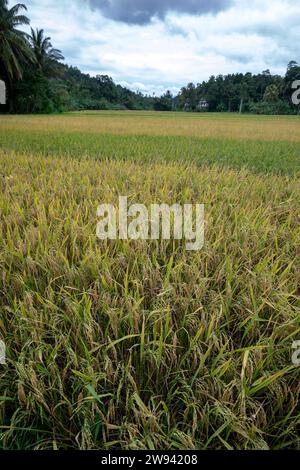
[[251, 36]]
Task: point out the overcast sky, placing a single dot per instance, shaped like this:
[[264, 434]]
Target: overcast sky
[[154, 45]]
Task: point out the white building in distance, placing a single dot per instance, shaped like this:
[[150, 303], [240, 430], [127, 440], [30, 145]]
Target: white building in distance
[[203, 105]]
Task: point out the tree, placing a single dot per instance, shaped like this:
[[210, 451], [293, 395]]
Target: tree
[[14, 47], [164, 103], [34, 93], [244, 94], [291, 65], [107, 87], [46, 57], [271, 94], [229, 92]]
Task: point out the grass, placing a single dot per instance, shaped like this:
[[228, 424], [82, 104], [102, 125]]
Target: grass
[[209, 126], [143, 345]]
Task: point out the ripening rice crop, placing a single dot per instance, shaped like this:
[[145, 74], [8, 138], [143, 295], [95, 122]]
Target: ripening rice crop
[[141, 344]]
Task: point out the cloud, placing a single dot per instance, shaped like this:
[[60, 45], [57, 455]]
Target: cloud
[[142, 11]]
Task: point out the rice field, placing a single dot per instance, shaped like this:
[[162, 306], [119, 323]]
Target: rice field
[[133, 345]]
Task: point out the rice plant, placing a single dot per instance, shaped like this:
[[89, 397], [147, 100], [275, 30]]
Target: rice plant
[[138, 344]]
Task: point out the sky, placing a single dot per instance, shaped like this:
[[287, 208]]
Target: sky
[[155, 45]]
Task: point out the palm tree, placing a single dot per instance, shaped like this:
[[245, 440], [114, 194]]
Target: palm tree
[[46, 57], [14, 47]]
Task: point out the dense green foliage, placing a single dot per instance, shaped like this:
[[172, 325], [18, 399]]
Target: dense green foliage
[[72, 90], [14, 47], [261, 94]]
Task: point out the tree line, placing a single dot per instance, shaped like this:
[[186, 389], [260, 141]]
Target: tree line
[[262, 93], [38, 81]]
